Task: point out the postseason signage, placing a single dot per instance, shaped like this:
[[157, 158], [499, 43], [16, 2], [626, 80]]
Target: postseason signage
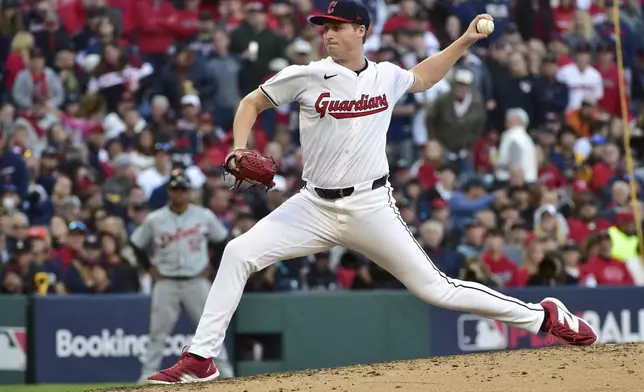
[[616, 313], [94, 339]]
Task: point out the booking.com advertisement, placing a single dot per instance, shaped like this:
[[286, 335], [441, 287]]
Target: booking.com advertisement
[[86, 339], [617, 314]]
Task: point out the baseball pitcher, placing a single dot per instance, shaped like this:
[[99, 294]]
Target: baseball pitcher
[[346, 104], [178, 234]]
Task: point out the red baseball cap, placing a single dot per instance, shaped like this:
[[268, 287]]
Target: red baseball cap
[[37, 232], [580, 186], [439, 203]]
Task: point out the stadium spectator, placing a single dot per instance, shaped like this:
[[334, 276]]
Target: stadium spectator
[[464, 205], [319, 275], [226, 69], [581, 77], [585, 220], [246, 40], [456, 119], [18, 275], [570, 258], [517, 149], [52, 282], [623, 236], [155, 20], [602, 268], [447, 260], [549, 223], [123, 277], [581, 30], [534, 255], [11, 23], [555, 92], [517, 238], [473, 239]]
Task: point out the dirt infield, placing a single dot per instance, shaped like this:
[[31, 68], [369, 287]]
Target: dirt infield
[[614, 368]]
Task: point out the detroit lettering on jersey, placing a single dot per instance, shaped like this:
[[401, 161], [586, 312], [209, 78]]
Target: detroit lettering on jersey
[[340, 109], [166, 239]]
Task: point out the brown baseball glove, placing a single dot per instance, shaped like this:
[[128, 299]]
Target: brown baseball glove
[[251, 167]]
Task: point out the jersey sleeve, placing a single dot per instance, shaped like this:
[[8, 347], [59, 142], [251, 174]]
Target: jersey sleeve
[[561, 75], [142, 235], [599, 86], [402, 78], [217, 232], [287, 85]]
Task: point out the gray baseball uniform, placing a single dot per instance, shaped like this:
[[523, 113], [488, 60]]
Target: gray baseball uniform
[[180, 253]]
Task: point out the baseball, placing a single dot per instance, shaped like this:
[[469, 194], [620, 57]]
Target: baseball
[[485, 26]]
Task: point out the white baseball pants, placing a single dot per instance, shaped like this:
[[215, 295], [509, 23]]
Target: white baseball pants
[[367, 222]]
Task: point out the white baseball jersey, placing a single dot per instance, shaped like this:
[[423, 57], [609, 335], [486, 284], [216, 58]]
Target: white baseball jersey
[[344, 117], [580, 83]]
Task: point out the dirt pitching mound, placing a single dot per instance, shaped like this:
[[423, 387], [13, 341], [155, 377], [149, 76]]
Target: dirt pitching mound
[[613, 368]]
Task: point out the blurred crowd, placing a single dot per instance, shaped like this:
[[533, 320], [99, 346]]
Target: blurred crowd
[[511, 171]]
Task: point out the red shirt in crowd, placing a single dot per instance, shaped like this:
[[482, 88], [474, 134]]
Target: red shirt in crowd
[[346, 277], [564, 60], [427, 176], [13, 65], [211, 157], [602, 173], [503, 268], [606, 271], [551, 177], [66, 255], [72, 14], [397, 21], [186, 24], [580, 230], [610, 101], [484, 148], [155, 26], [563, 18]]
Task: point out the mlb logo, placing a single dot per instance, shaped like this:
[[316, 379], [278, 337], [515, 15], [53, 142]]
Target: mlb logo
[[476, 333], [13, 346]]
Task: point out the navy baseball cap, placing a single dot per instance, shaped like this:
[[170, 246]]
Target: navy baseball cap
[[179, 180], [77, 227], [347, 11], [165, 147]]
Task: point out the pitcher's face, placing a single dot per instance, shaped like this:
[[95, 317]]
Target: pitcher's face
[[341, 38]]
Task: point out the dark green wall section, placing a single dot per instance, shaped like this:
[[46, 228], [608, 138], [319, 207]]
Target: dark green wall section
[[335, 329]]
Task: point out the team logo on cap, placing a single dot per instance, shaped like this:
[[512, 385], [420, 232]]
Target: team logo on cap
[[365, 106], [331, 7]]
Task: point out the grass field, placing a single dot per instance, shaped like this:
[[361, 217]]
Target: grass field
[[56, 387]]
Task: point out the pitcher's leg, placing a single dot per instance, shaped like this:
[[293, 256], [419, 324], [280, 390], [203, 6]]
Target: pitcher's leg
[[165, 308], [297, 228], [194, 296], [382, 236]]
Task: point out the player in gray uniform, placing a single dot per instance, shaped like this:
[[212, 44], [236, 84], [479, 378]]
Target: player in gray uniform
[[178, 235]]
